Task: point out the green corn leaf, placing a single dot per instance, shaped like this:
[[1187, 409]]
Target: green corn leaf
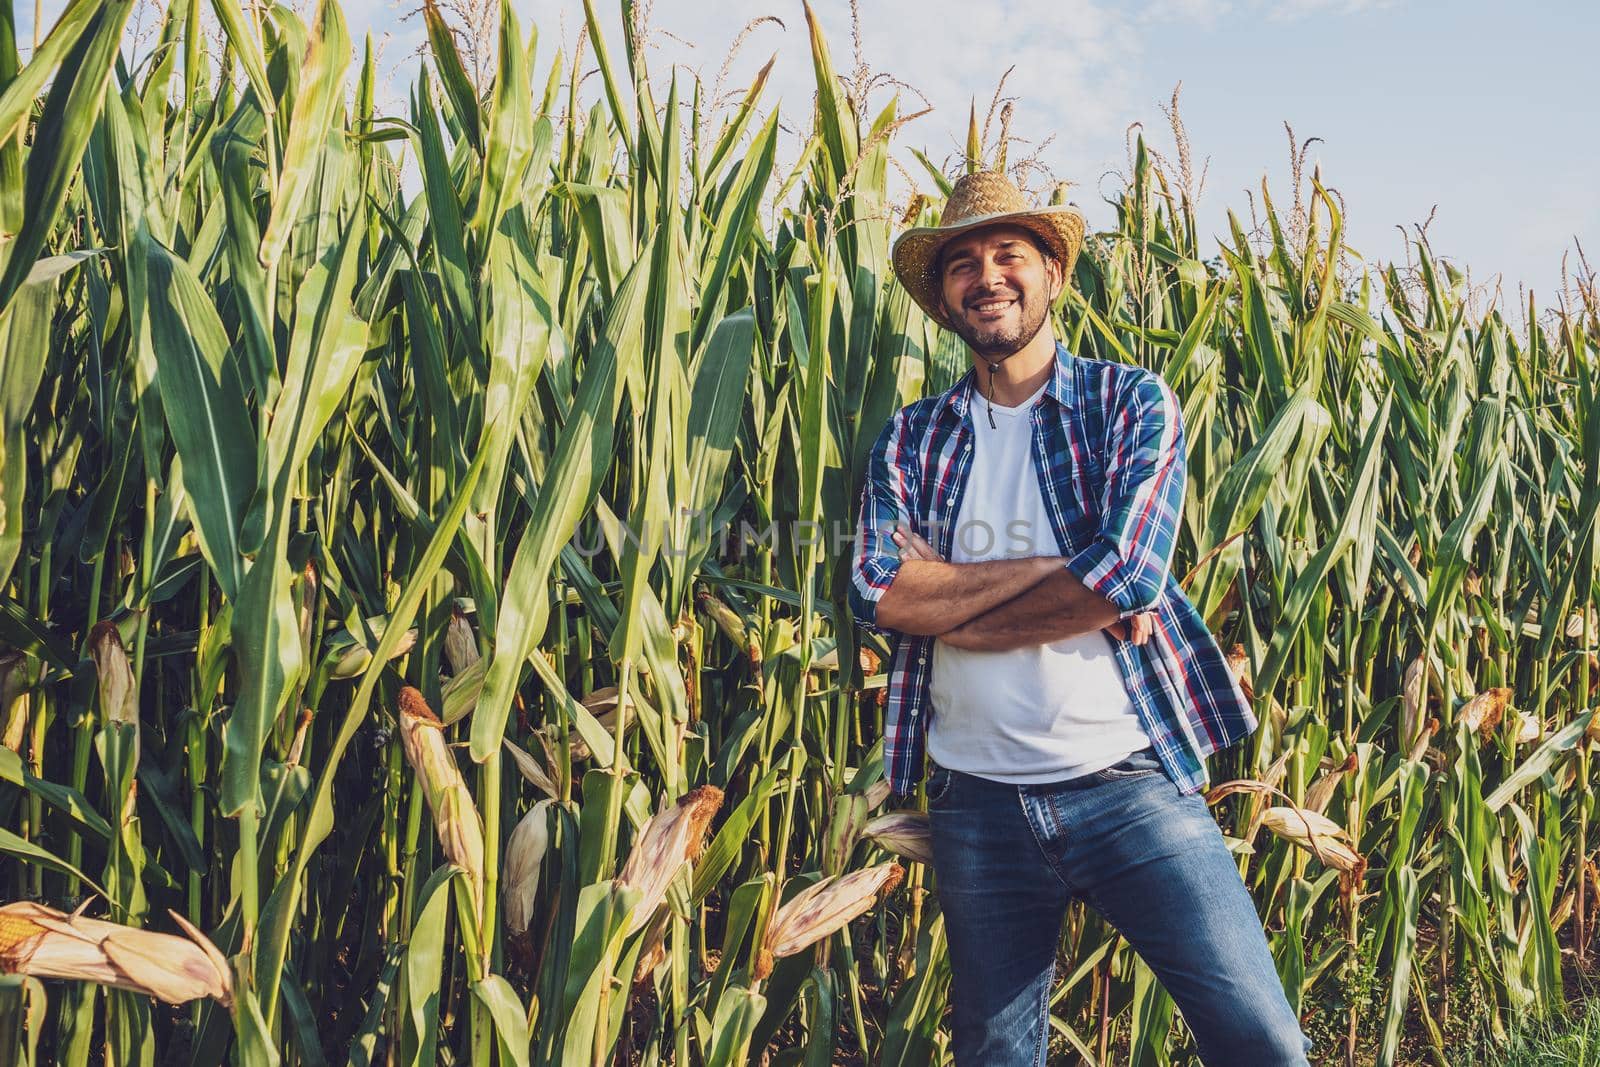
[[319, 823], [203, 398], [739, 1010], [510, 1018], [518, 337], [69, 113], [244, 46], [601, 923], [513, 134], [24, 849], [1542, 760], [733, 133], [23, 327], [1361, 498], [320, 99], [424, 958], [570, 484], [715, 412], [620, 115], [734, 219], [836, 122], [453, 75], [444, 214], [23, 89]]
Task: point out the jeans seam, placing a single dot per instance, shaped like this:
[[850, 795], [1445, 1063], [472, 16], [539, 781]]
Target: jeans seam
[[1043, 1044], [1022, 801]]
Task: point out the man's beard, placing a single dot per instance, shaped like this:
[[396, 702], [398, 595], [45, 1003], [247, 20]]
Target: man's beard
[[994, 343]]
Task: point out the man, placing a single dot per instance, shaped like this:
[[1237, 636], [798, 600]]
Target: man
[[1016, 536]]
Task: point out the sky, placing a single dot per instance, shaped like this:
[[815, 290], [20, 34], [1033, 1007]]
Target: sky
[[1482, 113]]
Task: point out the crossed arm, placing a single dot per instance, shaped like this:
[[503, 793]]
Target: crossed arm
[[900, 583], [997, 605]]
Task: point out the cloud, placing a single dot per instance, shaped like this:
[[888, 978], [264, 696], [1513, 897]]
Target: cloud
[[1210, 12], [1205, 12], [1075, 65], [1289, 10]]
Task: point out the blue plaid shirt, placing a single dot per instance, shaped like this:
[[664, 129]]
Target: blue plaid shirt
[[1108, 443]]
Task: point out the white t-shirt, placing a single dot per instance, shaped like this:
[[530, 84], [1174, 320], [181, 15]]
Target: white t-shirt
[[1047, 712]]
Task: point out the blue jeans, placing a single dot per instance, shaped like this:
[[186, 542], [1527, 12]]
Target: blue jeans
[[1149, 859]]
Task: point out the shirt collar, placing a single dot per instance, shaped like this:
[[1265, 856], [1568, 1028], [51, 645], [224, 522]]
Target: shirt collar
[[958, 397]]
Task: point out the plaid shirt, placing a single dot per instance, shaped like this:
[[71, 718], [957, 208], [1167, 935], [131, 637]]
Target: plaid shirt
[[1108, 443]]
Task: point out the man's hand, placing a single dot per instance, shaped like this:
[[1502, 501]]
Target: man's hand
[[1135, 628], [914, 546]]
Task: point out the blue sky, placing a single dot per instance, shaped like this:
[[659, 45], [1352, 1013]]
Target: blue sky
[[1481, 109]]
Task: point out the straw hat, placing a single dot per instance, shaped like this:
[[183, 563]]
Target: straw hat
[[981, 198]]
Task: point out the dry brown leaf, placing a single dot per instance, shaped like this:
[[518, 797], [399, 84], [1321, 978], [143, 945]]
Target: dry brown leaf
[[42, 942]]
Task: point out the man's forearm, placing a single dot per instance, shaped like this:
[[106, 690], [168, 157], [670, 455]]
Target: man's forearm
[[930, 597], [1057, 607]]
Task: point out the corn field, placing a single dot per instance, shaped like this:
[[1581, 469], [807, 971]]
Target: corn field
[[380, 681]]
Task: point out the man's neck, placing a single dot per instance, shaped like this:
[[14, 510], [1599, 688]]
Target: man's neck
[[1021, 373]]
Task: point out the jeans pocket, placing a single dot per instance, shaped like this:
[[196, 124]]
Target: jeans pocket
[[939, 779], [1138, 765]]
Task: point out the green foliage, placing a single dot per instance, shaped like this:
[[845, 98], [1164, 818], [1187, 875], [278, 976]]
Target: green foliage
[[302, 438]]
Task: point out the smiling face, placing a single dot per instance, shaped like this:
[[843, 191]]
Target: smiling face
[[996, 288]]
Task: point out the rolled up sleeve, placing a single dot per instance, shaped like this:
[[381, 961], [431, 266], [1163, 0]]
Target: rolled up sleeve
[[1131, 554], [885, 500]]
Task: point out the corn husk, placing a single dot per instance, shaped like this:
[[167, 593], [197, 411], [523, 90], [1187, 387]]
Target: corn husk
[[460, 646], [829, 661], [459, 693], [1530, 728], [849, 818], [1316, 833], [1238, 785], [297, 746], [602, 704], [352, 656], [732, 626], [1420, 746], [1239, 663], [307, 592], [903, 832], [455, 816], [823, 909], [119, 697], [1576, 621], [672, 838], [878, 792], [1412, 688], [524, 859], [530, 768], [653, 948], [13, 701], [1321, 791], [1264, 789], [42, 942], [1483, 712]]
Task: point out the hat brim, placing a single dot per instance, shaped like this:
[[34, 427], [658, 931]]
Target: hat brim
[[1060, 227]]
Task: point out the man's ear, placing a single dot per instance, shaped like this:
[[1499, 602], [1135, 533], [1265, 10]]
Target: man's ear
[[1057, 281]]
